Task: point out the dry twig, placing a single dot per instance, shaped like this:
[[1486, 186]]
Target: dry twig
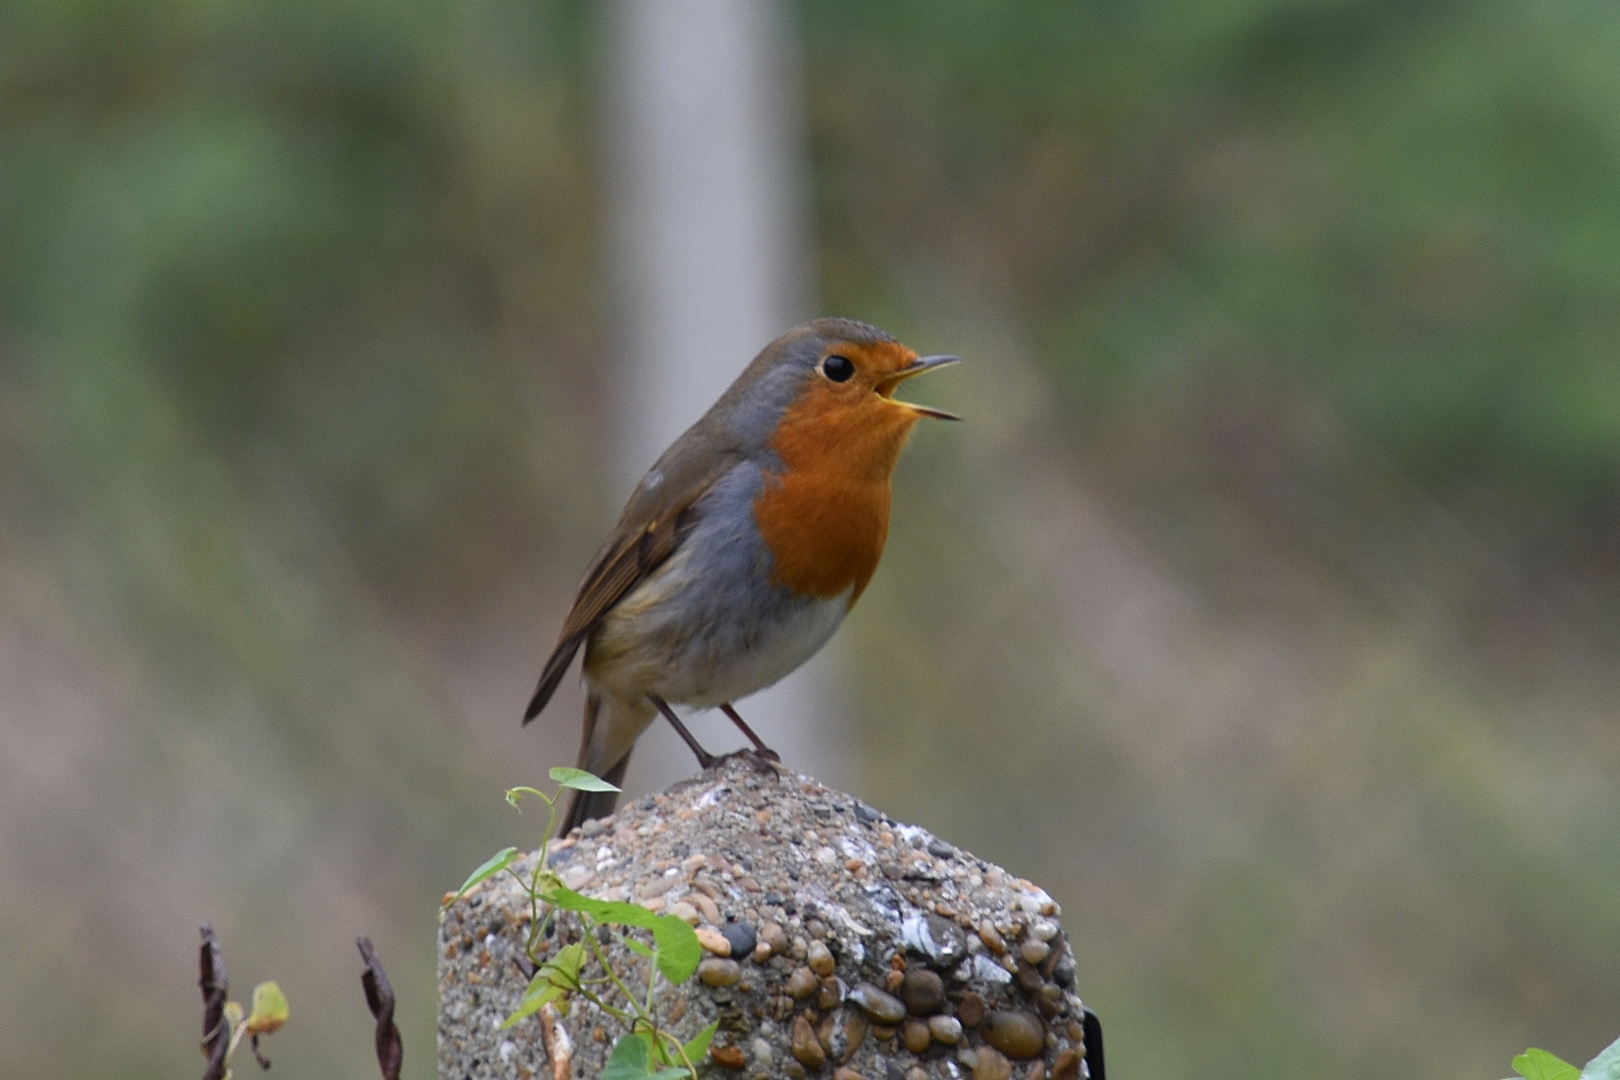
[[215, 985], [380, 997]]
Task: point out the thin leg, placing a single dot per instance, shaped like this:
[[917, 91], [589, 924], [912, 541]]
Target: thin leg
[[759, 743], [705, 759]]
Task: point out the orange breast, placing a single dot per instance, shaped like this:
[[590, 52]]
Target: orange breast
[[826, 517]]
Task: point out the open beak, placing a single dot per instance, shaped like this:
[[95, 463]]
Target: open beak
[[922, 364]]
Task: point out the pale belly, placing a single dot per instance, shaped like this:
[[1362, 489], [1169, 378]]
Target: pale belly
[[694, 635]]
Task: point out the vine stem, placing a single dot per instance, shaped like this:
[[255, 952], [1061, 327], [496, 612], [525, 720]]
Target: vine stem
[[640, 1014]]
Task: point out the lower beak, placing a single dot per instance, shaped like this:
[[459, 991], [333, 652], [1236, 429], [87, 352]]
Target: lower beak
[[922, 364]]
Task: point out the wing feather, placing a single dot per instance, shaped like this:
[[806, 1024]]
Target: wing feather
[[655, 521]]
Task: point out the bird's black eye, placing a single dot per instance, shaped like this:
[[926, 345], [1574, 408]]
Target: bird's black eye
[[837, 368]]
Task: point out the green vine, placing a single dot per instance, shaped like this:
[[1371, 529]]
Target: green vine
[[647, 1048]]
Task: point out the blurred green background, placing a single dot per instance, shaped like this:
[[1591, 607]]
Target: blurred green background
[[1265, 610]]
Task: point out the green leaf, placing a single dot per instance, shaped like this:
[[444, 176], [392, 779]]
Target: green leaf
[[630, 1059], [497, 862], [1606, 1066], [580, 780], [563, 969], [700, 1042], [534, 999], [1536, 1064], [269, 1009], [638, 947], [678, 948]]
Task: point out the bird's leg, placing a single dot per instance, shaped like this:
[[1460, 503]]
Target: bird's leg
[[759, 743], [705, 759]]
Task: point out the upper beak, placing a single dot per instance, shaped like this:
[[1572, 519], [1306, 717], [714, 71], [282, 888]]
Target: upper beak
[[920, 365]]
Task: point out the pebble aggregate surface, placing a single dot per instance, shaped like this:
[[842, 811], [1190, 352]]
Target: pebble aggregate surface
[[838, 943]]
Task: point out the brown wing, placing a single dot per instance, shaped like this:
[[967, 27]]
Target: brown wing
[[655, 521]]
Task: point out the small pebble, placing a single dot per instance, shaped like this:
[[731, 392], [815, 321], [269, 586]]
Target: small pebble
[[841, 1033], [802, 983], [992, 938], [1067, 1066], [945, 1029], [843, 1073], [1016, 1033], [882, 1007], [761, 1051], [916, 1073], [717, 972], [923, 991], [949, 944], [894, 980], [915, 1035], [685, 912], [1044, 930], [761, 953], [1034, 950], [821, 958], [709, 909], [799, 949], [773, 935], [990, 1065], [832, 993], [855, 1028], [742, 939], [714, 941], [806, 1047], [728, 1057], [971, 1011]]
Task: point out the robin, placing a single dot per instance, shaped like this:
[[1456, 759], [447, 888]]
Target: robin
[[743, 547]]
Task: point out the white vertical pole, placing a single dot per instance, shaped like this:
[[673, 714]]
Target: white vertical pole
[[711, 261]]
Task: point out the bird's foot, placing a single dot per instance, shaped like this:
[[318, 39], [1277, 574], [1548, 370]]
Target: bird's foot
[[766, 761], [705, 759]]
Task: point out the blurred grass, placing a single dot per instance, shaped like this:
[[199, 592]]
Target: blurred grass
[[1264, 609]]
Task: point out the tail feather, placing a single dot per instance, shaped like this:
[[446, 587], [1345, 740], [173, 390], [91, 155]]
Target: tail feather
[[556, 668], [610, 731]]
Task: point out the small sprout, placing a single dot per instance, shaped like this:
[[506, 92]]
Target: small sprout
[[514, 796]]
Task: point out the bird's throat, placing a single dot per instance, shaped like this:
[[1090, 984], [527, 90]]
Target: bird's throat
[[825, 517]]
